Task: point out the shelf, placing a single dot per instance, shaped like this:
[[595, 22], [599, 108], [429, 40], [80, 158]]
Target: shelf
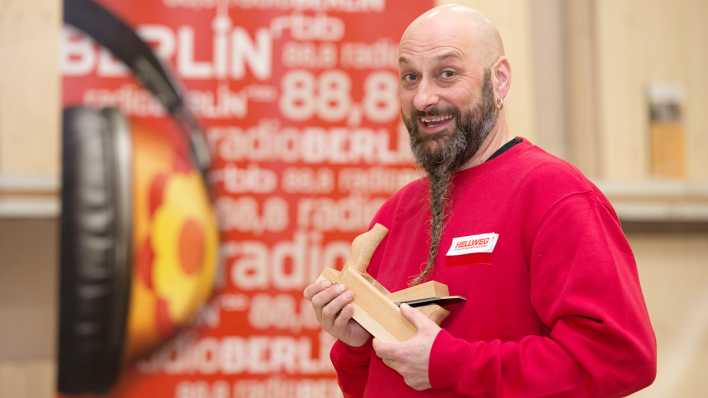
[[29, 197], [657, 201], [651, 201]]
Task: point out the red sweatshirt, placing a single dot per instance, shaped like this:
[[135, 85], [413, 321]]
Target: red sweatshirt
[[556, 308]]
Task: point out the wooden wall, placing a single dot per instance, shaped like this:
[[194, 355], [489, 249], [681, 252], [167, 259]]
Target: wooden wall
[[28, 303], [674, 275], [29, 152], [616, 49], [29, 88]]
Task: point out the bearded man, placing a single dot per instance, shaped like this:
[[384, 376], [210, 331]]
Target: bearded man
[[554, 303]]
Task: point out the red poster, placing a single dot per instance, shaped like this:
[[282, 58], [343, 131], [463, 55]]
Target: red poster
[[298, 99]]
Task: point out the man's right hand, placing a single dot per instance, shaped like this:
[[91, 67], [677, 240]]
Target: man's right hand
[[332, 305]]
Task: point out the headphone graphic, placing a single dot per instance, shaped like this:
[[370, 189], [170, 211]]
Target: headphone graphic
[[139, 240]]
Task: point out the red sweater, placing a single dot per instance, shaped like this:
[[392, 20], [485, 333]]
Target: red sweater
[[555, 310]]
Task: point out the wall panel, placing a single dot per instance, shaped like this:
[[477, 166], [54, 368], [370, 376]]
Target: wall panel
[[29, 87], [644, 41]]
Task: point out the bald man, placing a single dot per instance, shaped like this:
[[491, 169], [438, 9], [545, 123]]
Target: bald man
[[554, 304]]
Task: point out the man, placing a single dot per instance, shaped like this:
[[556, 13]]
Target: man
[[554, 306]]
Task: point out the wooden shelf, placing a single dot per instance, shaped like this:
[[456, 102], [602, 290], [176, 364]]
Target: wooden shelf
[[650, 201], [29, 197], [658, 201]]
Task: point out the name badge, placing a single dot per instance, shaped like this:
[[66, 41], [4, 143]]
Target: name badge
[[473, 244]]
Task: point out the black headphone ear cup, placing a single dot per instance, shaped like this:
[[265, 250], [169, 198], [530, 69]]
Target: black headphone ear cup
[[95, 248]]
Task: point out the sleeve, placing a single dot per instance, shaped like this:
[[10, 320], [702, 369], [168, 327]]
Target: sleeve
[[585, 289], [352, 367]]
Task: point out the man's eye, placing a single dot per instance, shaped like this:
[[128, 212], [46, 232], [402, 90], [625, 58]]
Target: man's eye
[[447, 74], [409, 78]]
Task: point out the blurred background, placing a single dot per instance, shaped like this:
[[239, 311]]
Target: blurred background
[[619, 88]]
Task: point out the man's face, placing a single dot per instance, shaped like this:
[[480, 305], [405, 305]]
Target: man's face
[[447, 103]]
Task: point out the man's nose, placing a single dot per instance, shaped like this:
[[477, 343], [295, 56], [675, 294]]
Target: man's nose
[[425, 96]]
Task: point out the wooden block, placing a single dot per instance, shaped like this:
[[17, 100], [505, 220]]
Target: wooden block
[[364, 246], [374, 310], [330, 274], [375, 307], [435, 312], [427, 289]]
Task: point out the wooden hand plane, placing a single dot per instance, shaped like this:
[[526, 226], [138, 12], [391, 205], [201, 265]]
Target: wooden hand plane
[[375, 308]]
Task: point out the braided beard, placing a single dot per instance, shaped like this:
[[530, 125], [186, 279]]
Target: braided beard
[[450, 152]]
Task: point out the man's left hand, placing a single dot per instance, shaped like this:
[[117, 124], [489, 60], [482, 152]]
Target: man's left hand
[[410, 358]]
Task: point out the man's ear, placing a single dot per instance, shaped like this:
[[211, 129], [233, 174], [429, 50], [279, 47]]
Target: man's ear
[[501, 77]]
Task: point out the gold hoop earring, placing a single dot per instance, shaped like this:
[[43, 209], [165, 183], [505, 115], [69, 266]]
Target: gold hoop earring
[[500, 103]]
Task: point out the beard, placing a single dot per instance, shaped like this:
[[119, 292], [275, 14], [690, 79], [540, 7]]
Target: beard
[[441, 154], [445, 152]]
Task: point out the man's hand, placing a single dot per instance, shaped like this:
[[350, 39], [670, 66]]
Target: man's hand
[[410, 358], [334, 312]]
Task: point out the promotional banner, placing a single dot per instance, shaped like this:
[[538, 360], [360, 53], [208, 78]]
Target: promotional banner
[[299, 102]]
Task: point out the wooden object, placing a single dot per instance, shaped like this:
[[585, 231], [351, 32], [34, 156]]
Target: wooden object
[[666, 132], [668, 152], [375, 307]]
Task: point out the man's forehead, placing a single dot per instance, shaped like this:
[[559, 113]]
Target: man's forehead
[[430, 39], [465, 29], [411, 53]]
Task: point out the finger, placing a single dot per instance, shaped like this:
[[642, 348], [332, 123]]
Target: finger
[[316, 287], [322, 298], [391, 364], [345, 315], [334, 307], [417, 318], [383, 349], [415, 384]]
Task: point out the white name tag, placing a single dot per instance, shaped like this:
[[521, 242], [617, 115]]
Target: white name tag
[[482, 243]]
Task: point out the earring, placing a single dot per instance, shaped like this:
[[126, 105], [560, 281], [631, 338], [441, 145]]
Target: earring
[[500, 103]]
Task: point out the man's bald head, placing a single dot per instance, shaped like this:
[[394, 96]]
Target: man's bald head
[[458, 26], [453, 81]]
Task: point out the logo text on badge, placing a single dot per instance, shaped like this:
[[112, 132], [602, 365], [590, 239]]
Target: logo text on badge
[[482, 243]]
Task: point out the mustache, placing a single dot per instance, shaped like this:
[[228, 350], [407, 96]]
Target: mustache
[[412, 122], [436, 111]]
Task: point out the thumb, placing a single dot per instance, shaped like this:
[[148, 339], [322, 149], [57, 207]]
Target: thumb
[[417, 318]]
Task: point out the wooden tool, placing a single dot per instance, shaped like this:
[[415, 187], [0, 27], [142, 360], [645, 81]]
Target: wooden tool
[[375, 308]]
